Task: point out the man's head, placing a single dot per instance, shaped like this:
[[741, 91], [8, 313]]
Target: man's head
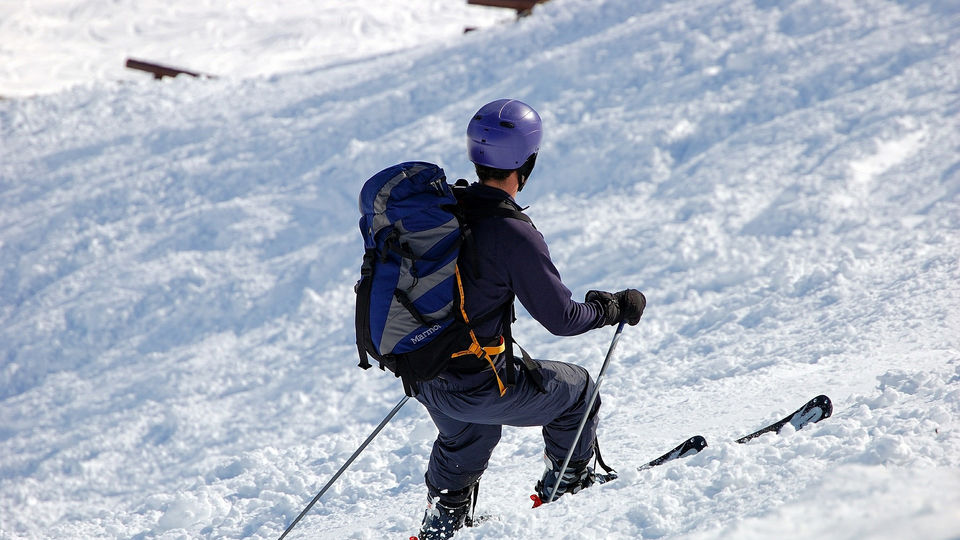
[[503, 137]]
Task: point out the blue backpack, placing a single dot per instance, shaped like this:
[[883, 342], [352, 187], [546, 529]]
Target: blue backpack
[[410, 315]]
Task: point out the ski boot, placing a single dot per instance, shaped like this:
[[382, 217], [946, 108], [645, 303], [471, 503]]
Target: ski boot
[[447, 511], [576, 477]]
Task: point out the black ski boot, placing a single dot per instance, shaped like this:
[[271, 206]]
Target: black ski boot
[[577, 476], [447, 512]]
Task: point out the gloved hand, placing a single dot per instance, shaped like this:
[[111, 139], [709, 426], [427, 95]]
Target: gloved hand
[[627, 304]]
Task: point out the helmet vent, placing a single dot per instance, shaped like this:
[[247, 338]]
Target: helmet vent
[[506, 124]]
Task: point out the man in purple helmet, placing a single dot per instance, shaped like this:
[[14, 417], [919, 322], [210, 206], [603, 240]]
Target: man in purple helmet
[[507, 258]]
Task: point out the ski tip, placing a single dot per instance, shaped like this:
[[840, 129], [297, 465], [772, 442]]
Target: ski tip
[[825, 405], [537, 502], [693, 446], [814, 411], [687, 448], [811, 412]]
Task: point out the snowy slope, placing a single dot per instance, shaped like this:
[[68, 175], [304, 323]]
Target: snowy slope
[[51, 45], [782, 179]]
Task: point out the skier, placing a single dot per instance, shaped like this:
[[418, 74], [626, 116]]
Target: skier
[[509, 258]]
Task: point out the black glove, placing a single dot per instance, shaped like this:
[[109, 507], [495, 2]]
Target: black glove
[[626, 305]]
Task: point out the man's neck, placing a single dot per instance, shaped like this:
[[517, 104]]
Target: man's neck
[[510, 185]]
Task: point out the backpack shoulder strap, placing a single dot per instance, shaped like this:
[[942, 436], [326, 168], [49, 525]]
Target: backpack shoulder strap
[[507, 210], [474, 208]]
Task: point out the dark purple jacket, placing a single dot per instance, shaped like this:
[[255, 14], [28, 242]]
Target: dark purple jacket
[[510, 256]]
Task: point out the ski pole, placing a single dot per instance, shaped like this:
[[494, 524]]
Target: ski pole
[[389, 416], [586, 415]]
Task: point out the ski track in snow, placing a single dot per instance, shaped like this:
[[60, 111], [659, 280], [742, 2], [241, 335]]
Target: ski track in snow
[[781, 179]]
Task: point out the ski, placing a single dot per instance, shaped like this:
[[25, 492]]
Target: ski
[[812, 412], [688, 447]]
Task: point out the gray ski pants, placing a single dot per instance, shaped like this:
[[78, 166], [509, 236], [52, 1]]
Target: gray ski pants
[[470, 413]]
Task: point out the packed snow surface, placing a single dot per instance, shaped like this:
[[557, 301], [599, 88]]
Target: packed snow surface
[[781, 178]]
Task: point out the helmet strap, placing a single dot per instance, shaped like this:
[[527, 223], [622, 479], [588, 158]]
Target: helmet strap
[[523, 173]]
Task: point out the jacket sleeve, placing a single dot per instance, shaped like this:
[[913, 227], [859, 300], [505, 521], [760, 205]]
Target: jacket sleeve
[[536, 282]]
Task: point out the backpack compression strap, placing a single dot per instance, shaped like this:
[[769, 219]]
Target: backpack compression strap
[[475, 348]]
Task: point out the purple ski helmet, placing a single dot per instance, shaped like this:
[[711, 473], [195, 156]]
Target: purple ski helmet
[[504, 134]]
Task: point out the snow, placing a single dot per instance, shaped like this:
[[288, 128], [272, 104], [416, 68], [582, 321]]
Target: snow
[[177, 259], [51, 45]]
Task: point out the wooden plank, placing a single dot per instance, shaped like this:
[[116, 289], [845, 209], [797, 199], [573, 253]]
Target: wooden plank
[[160, 71], [519, 5]]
